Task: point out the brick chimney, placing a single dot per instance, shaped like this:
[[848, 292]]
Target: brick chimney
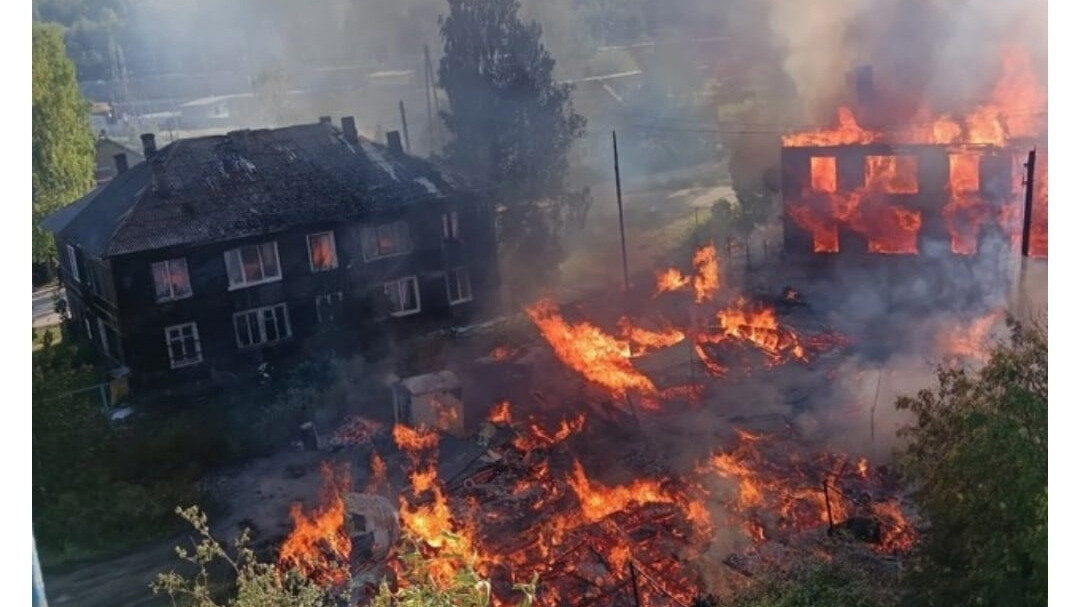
[[393, 141], [148, 145], [864, 84], [348, 128], [121, 163]]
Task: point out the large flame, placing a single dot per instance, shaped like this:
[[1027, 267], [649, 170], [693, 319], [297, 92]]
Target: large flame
[[583, 347], [319, 545], [1014, 112]]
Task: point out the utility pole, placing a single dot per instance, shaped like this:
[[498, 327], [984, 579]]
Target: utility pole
[[622, 229], [1029, 190], [1025, 235], [427, 98], [404, 125]]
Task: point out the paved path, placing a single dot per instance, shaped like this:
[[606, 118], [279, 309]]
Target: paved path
[[44, 301]]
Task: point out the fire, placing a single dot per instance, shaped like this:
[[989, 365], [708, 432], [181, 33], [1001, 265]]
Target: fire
[[598, 502], [823, 174], [645, 339], [599, 357], [758, 326], [777, 489], [969, 340], [319, 546], [671, 280], [1013, 110], [867, 210], [537, 437], [898, 535], [378, 474], [500, 413], [706, 280], [414, 439], [847, 132], [965, 212]]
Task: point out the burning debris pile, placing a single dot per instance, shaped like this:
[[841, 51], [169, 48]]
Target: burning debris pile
[[538, 502]]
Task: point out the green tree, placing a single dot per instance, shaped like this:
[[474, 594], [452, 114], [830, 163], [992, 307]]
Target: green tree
[[63, 145], [847, 581], [977, 458], [256, 584], [253, 583], [512, 126]]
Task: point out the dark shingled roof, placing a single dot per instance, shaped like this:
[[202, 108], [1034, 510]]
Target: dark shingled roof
[[248, 183]]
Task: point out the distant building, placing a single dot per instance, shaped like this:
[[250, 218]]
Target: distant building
[[219, 253], [105, 157]]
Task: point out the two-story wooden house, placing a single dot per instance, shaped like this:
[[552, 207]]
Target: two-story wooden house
[[218, 253]]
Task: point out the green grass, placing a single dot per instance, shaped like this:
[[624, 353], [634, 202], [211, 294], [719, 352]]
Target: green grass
[[43, 335]]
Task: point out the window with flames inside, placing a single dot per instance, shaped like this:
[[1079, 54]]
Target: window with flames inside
[[171, 281]]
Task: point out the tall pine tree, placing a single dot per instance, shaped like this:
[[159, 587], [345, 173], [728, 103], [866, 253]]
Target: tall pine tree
[[63, 156], [511, 126]]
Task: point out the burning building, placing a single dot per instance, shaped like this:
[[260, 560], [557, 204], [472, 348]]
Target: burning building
[[870, 186]]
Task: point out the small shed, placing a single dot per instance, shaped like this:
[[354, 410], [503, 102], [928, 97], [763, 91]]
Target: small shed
[[432, 400]]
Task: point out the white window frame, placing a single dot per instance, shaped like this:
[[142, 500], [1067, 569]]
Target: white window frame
[[451, 229], [73, 263], [172, 294], [326, 299], [238, 256], [370, 233], [456, 273], [399, 285], [169, 339], [333, 251], [261, 326]]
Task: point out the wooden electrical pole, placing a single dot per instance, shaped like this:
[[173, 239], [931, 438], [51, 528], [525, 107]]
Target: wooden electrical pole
[[404, 125], [427, 98], [1029, 191], [618, 198], [1025, 230]]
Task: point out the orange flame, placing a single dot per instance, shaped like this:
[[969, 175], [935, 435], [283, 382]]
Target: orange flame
[[970, 340], [500, 413], [645, 339], [378, 474], [599, 357], [414, 439], [706, 279], [319, 546], [759, 327], [671, 280], [847, 132], [1015, 109]]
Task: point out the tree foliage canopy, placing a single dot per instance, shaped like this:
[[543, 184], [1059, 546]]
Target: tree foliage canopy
[[511, 125], [63, 145], [978, 459]]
